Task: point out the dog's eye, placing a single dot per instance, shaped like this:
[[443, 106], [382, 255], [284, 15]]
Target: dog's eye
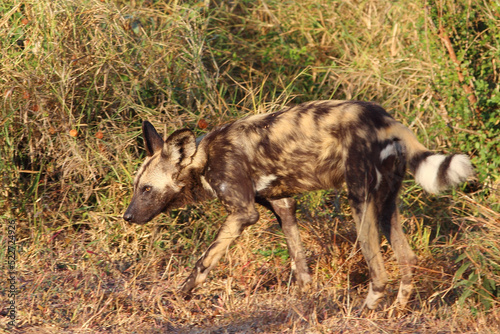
[[146, 189]]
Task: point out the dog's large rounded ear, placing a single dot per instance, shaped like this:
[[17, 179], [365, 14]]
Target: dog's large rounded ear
[[152, 140], [180, 147]]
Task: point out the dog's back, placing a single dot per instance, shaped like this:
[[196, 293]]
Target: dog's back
[[306, 147]]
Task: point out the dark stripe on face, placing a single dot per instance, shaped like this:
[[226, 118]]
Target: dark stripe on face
[[143, 170]]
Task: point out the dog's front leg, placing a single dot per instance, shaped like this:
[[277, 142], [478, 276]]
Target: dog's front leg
[[284, 210], [230, 230]]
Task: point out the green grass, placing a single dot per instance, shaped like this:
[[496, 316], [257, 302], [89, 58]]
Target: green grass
[[101, 67]]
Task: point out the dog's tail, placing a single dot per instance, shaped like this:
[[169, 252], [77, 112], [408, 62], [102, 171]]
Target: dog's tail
[[433, 171]]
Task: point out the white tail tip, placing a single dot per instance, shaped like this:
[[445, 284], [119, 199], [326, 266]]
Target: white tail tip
[[439, 172]]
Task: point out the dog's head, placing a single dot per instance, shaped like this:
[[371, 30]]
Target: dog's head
[[160, 181]]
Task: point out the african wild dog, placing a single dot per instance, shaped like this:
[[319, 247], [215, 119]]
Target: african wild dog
[[268, 158]]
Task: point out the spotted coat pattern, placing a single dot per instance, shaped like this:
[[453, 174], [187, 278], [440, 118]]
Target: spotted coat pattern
[[268, 158]]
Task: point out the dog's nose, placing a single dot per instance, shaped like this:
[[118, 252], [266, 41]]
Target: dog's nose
[[127, 216]]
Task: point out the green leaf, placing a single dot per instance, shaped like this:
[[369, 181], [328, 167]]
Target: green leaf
[[461, 270]]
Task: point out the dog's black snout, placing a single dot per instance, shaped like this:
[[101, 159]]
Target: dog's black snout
[[128, 216]]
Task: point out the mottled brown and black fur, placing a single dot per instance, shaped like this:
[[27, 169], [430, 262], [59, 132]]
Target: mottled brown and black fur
[[268, 158]]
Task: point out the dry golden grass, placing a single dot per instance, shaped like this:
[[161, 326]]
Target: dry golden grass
[[90, 281], [78, 77]]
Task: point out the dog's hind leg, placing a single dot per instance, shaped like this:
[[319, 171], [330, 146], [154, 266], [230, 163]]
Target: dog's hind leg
[[362, 179], [393, 231], [393, 170], [364, 213]]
